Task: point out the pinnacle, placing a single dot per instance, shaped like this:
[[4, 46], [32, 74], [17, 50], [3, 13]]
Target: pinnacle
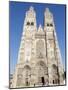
[[47, 9], [31, 8], [40, 28]]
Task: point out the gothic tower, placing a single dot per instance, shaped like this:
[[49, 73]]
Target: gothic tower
[[55, 68], [39, 59], [22, 74]]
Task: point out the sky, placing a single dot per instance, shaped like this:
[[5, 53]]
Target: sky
[[17, 12]]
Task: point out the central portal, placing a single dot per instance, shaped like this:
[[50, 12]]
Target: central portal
[[42, 80]]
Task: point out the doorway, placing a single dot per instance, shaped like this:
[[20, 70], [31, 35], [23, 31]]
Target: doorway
[[42, 80]]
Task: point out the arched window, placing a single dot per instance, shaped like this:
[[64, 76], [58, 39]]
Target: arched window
[[32, 23], [51, 24], [28, 23], [47, 24]]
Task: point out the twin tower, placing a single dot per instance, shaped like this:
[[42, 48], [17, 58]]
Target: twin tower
[[39, 58]]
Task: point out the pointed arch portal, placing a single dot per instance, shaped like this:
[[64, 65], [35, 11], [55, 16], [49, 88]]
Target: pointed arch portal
[[42, 73]]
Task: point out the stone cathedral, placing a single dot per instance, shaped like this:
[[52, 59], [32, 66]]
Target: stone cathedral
[[39, 59]]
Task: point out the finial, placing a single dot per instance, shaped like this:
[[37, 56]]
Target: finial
[[47, 9], [40, 28], [48, 13], [31, 8], [30, 12]]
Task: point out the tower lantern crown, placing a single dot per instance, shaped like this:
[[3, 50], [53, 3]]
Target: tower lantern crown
[[31, 8], [48, 14], [30, 13], [48, 22], [30, 20]]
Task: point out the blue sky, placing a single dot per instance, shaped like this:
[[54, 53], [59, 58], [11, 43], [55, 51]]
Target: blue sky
[[17, 12]]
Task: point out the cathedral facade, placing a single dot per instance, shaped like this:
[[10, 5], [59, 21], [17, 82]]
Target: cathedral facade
[[39, 58]]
